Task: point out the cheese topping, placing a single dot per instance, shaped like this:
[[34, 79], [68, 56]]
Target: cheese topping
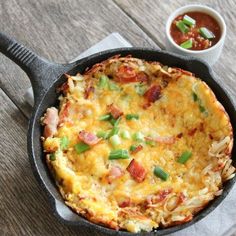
[[138, 145]]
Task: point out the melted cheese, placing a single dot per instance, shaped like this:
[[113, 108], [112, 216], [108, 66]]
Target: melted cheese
[[82, 177]]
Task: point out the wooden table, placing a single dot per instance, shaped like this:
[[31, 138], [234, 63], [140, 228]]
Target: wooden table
[[59, 30]]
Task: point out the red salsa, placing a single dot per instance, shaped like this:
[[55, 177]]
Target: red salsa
[[195, 31]]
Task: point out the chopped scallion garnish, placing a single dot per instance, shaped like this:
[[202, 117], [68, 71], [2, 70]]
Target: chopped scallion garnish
[[103, 82], [81, 147], [119, 154], [125, 134], [52, 157], [207, 34], [138, 136], [202, 108], [140, 89], [150, 143], [132, 116], [114, 131], [184, 157], [189, 20], [187, 44], [64, 142], [105, 117], [182, 27], [113, 86], [195, 97], [160, 173], [115, 140], [102, 134]]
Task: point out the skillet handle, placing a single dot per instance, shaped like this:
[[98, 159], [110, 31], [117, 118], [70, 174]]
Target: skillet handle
[[41, 72]]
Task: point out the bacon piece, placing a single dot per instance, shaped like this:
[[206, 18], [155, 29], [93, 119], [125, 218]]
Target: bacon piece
[[142, 77], [137, 149], [152, 95], [191, 132], [220, 166], [115, 111], [126, 74], [159, 197], [180, 135], [114, 173], [164, 140], [124, 203], [88, 90], [64, 113], [88, 138], [137, 171], [181, 198], [50, 121], [63, 88]]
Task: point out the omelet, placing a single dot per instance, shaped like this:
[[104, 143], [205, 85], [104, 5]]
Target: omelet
[[136, 145]]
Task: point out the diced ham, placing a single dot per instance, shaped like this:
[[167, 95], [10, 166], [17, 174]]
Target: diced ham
[[164, 139], [114, 173], [137, 171], [115, 111], [137, 149], [153, 93], [142, 77], [88, 138], [50, 121], [63, 88]]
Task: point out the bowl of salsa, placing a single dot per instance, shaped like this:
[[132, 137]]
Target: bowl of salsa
[[196, 30]]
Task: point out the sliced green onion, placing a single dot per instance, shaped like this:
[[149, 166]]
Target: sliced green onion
[[103, 82], [132, 116], [182, 27], [115, 122], [102, 134], [52, 157], [138, 136], [114, 131], [184, 157], [189, 20], [105, 117], [115, 140], [125, 134], [207, 34], [160, 173], [140, 89], [187, 44], [119, 154], [202, 108], [113, 86], [81, 147], [64, 142], [150, 143], [195, 97], [134, 147]]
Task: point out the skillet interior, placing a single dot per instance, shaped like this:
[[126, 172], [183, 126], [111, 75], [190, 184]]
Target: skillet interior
[[50, 98]]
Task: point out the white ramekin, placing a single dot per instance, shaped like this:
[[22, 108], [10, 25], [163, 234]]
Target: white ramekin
[[209, 55]]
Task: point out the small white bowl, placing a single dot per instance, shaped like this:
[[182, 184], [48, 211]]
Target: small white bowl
[[209, 55]]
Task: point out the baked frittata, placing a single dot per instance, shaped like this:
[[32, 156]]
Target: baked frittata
[[135, 145]]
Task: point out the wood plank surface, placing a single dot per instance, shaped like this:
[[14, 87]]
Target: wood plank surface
[[152, 16], [59, 31], [24, 208]]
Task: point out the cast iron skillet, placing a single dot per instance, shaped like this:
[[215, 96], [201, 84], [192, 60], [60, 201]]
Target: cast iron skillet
[[45, 77]]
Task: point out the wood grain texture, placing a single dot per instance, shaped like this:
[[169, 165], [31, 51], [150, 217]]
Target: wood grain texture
[[24, 208], [152, 16], [59, 31]]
